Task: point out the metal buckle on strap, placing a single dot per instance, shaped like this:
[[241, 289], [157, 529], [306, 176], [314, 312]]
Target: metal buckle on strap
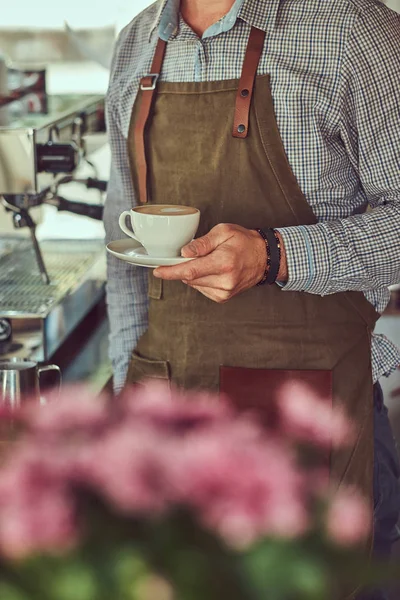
[[154, 77]]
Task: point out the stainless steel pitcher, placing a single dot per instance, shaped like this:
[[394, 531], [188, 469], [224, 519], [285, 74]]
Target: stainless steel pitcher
[[20, 379]]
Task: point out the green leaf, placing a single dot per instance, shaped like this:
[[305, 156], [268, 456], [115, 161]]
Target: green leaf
[[9, 592], [287, 569]]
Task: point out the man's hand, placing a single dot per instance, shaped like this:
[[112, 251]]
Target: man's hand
[[228, 261]]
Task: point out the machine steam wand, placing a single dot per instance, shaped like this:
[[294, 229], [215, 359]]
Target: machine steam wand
[[19, 206], [22, 218]]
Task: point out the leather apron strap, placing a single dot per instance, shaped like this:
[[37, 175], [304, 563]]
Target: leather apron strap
[[246, 86], [148, 86]]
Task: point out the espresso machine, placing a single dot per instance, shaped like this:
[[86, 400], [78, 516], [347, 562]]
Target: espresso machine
[[46, 287]]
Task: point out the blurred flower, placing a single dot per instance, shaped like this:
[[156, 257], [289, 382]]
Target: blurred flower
[[36, 511], [156, 449], [128, 467], [241, 484], [306, 417], [7, 413], [172, 410], [349, 518], [154, 587], [73, 411]]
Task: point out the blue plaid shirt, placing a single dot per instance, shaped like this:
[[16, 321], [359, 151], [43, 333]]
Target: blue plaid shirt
[[335, 78]]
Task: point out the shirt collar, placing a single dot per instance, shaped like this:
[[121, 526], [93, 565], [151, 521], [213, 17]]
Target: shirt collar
[[166, 20], [256, 13]]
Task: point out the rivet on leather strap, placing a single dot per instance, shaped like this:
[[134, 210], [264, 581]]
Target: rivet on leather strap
[[247, 81]]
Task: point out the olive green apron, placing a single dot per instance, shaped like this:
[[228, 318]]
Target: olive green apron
[[264, 336]]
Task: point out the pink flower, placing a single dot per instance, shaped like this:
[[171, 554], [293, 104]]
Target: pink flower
[[154, 450], [175, 449], [36, 510], [308, 418], [129, 468], [8, 413], [75, 410], [174, 411], [240, 484], [349, 518]]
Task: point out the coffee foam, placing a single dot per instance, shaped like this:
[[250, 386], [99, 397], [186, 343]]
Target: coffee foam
[[168, 210]]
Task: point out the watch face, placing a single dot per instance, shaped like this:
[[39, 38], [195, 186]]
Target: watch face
[[5, 330]]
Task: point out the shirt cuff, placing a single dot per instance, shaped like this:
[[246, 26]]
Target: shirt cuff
[[309, 260]]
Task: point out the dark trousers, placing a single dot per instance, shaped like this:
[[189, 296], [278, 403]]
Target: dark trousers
[[386, 488]]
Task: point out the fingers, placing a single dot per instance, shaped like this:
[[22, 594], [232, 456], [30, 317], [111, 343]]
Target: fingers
[[188, 271], [208, 243], [227, 261]]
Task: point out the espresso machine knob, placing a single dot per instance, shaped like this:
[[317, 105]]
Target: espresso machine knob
[[55, 157], [5, 330], [5, 335]]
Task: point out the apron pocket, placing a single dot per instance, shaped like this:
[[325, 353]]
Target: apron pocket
[[258, 390], [141, 368]]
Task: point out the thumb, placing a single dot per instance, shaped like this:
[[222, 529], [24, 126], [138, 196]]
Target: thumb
[[203, 246]]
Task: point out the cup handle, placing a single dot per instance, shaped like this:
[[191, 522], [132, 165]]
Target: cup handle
[[46, 368], [122, 224]]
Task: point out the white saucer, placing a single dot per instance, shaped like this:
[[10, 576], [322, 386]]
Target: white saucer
[[132, 252]]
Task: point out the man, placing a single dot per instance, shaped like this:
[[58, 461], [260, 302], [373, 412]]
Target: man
[[279, 120]]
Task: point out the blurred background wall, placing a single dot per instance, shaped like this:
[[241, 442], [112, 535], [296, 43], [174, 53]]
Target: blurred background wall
[[79, 13]]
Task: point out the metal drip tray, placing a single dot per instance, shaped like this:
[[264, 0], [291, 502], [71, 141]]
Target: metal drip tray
[[42, 316], [21, 287]]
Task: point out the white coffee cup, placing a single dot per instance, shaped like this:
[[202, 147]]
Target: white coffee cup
[[163, 229]]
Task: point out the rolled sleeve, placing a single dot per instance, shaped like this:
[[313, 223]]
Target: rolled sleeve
[[308, 259], [362, 251]]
